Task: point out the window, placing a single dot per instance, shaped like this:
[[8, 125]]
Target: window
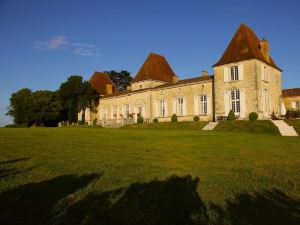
[[266, 74], [139, 110], [180, 106], [235, 101], [298, 105], [126, 111], [203, 104], [234, 73], [104, 113], [162, 108], [115, 111]]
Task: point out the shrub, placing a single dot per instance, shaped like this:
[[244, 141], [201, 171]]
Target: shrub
[[81, 123], [253, 116], [231, 116], [291, 114], [196, 118], [155, 120], [95, 121], [174, 118], [140, 119]]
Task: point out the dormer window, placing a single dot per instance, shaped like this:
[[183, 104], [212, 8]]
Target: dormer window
[[234, 73]]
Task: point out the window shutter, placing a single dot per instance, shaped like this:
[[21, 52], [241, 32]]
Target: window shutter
[[166, 108], [174, 109], [242, 103], [293, 105], [241, 71], [209, 104], [262, 72], [184, 107], [226, 74], [196, 105], [263, 98], [226, 102], [156, 113]]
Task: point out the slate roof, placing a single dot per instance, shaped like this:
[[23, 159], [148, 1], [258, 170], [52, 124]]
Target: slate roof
[[156, 67], [243, 46]]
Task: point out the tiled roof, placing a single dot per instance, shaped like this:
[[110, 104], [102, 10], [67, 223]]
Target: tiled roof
[[155, 67], [99, 81], [293, 92], [180, 82], [186, 81], [243, 46]]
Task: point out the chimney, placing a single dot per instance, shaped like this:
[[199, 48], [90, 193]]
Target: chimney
[[204, 73], [109, 89], [175, 79], [264, 48]]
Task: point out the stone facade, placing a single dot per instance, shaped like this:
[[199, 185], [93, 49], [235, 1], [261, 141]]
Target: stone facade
[[258, 83]]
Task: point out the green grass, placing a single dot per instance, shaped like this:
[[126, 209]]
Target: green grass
[[255, 127], [295, 124], [147, 176], [168, 125]]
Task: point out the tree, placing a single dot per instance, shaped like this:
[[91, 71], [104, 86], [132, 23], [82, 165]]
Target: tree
[[88, 98], [45, 109], [69, 93], [121, 79], [20, 106]]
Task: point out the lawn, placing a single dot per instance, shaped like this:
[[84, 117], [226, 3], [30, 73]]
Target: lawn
[[147, 176]]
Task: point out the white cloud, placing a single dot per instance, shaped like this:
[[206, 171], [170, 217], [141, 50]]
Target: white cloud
[[61, 42]]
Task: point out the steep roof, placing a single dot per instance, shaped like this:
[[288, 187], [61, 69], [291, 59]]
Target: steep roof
[[243, 46], [155, 67], [99, 81], [293, 92]]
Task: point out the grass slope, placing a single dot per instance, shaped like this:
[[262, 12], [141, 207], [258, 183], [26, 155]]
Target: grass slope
[[141, 176], [255, 127], [168, 125], [295, 124]]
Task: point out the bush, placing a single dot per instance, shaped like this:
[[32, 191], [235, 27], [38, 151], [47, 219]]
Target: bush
[[95, 121], [140, 119], [291, 114], [231, 116], [174, 118], [155, 120], [253, 116], [196, 118]]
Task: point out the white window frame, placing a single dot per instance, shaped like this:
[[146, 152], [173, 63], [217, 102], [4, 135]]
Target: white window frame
[[115, 111], [234, 73], [127, 112], [266, 74], [235, 101], [180, 106], [203, 104], [297, 104], [162, 108]]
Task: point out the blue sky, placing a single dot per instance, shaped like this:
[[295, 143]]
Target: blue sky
[[44, 42]]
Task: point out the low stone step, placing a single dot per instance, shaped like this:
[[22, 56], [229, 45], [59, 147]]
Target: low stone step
[[284, 128], [210, 126]]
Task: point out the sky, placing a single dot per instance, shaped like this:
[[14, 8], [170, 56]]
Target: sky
[[44, 42]]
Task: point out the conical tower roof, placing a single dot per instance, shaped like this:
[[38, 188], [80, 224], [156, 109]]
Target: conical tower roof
[[155, 67], [243, 46]]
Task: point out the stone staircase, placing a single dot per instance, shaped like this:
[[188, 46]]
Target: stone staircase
[[284, 128], [210, 126]]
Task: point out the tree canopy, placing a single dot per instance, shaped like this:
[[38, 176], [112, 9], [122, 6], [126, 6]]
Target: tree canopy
[[121, 79]]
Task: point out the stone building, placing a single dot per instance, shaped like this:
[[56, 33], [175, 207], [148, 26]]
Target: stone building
[[291, 98], [246, 79]]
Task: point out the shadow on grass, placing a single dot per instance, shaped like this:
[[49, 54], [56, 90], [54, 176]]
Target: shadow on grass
[[171, 201], [6, 172], [35, 203]]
